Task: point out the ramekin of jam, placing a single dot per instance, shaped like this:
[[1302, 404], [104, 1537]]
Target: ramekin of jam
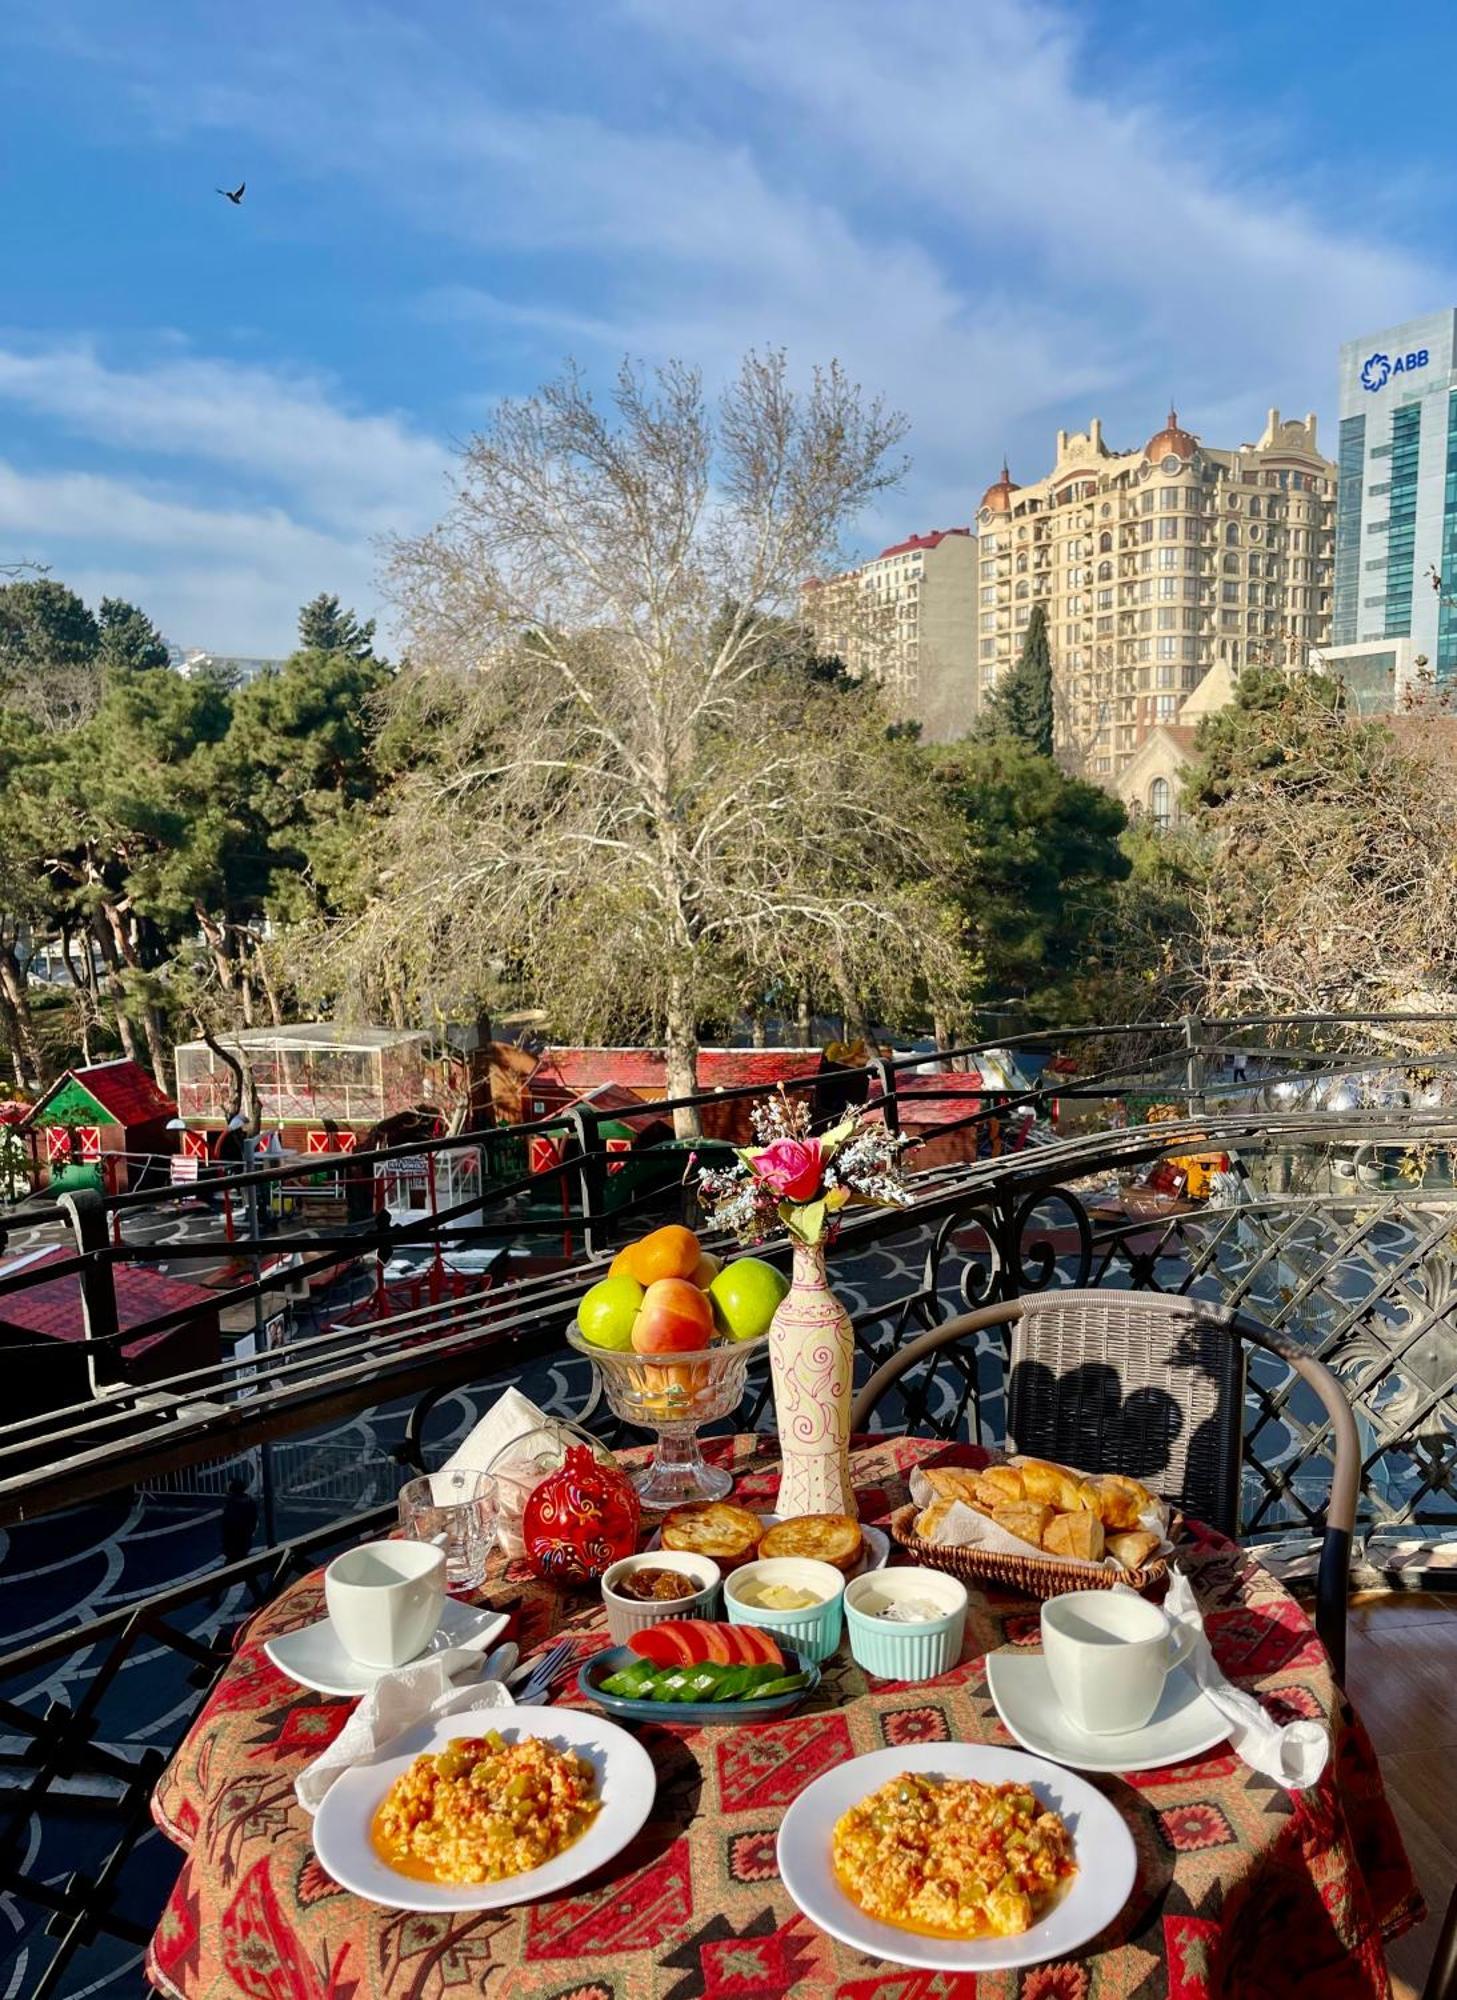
[[644, 1590]]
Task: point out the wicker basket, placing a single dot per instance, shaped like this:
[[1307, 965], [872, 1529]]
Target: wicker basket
[[1027, 1576]]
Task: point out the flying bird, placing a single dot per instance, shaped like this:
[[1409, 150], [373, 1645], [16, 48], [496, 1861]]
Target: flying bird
[[234, 195]]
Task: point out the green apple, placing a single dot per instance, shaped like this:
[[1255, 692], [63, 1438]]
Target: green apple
[[605, 1316], [745, 1295]]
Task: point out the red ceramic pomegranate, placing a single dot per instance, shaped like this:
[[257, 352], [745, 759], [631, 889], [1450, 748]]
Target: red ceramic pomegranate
[[580, 1520]]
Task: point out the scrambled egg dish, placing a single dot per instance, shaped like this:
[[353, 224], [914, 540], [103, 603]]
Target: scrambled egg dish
[[482, 1808], [949, 1857]]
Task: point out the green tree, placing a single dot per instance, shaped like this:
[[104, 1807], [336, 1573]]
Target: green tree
[[1043, 865], [1021, 706], [324, 626], [128, 638]]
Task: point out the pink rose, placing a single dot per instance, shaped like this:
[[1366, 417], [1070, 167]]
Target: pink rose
[[791, 1167]]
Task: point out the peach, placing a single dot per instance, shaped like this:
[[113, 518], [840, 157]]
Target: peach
[[706, 1270], [670, 1252], [674, 1318]]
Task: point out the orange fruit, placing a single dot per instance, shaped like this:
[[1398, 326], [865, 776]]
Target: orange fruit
[[620, 1267], [671, 1252]]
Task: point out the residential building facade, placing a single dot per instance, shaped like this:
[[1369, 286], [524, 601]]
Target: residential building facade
[[1155, 566], [1396, 521], [907, 619]]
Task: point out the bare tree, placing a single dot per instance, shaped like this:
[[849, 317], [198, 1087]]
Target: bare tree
[[634, 812], [1328, 882]]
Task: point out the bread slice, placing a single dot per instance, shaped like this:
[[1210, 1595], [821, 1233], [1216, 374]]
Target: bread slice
[[1026, 1519], [1133, 1550], [1079, 1535], [716, 1528], [830, 1538]]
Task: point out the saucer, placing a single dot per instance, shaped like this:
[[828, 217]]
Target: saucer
[[1184, 1723], [314, 1658]]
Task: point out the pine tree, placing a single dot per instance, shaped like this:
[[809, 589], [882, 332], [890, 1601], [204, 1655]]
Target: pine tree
[[1022, 705], [324, 626]]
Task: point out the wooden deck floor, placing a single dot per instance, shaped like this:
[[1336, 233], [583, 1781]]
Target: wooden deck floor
[[1402, 1676]]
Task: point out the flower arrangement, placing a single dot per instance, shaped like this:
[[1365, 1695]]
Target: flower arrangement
[[795, 1179]]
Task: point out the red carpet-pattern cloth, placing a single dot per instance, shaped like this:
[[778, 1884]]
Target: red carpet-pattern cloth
[[1244, 1891]]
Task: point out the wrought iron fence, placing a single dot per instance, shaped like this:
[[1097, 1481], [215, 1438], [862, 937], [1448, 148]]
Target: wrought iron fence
[[1333, 1215]]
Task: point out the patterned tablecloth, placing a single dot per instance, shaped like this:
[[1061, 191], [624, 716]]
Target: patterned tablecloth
[[1243, 1890]]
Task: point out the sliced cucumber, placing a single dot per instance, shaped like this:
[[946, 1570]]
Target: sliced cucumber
[[785, 1684]]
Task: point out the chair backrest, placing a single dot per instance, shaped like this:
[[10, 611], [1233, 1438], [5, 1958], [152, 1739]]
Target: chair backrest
[[1128, 1382]]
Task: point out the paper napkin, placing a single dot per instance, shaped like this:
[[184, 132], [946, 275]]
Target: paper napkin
[[1294, 1754], [420, 1692]]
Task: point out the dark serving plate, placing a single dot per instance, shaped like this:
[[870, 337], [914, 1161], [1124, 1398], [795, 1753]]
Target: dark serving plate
[[698, 1713]]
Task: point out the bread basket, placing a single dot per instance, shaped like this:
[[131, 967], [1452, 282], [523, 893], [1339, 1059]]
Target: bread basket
[[1025, 1576]]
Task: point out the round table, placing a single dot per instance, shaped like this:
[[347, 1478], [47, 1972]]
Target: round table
[[1243, 1890]]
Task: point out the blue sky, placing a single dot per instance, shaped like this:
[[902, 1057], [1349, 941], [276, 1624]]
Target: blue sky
[[1006, 216]]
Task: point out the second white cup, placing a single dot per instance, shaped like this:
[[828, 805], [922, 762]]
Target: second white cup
[[1108, 1655], [385, 1600]]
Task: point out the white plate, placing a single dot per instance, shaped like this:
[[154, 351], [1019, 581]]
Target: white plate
[[314, 1658], [1184, 1723], [875, 1555], [1103, 1846], [626, 1784]]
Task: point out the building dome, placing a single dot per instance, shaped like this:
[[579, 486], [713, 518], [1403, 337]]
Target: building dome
[[999, 497], [1171, 442]]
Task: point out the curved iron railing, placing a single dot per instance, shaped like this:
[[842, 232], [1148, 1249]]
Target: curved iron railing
[[1336, 1219]]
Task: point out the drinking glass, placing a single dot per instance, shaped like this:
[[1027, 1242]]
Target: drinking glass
[[457, 1511]]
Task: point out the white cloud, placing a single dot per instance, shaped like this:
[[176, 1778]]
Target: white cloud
[[283, 429], [227, 578]]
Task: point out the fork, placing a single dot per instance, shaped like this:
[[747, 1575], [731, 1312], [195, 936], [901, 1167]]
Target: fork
[[532, 1683]]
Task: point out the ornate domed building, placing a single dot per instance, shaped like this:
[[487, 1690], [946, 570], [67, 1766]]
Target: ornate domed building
[[1156, 566]]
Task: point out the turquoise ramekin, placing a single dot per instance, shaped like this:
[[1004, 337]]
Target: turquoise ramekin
[[814, 1631], [896, 1652]]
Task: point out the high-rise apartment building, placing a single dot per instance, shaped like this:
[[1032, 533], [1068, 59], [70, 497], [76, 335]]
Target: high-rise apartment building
[[1155, 566], [1396, 523], [907, 619]]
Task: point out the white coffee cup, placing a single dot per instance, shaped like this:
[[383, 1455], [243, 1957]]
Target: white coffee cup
[[1108, 1655], [385, 1600]]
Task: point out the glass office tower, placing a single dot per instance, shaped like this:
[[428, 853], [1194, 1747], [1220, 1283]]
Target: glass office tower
[[1396, 515]]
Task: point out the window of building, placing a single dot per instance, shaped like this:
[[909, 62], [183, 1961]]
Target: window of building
[[1231, 535], [1167, 648], [1168, 495], [1105, 572], [1168, 531], [1168, 586], [1255, 505], [1165, 677], [1168, 558]]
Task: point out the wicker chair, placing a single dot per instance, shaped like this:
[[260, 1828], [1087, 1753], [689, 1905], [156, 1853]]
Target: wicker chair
[[1152, 1386]]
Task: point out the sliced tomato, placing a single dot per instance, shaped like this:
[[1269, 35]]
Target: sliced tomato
[[755, 1647], [664, 1645]]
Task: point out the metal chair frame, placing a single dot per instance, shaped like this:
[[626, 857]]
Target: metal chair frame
[[1038, 1324]]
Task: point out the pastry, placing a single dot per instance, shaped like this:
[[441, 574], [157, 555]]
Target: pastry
[[1079, 1535], [1026, 1519], [1121, 1501], [715, 1528], [952, 1482], [1052, 1484], [930, 1518], [999, 1483], [831, 1538], [1133, 1550]]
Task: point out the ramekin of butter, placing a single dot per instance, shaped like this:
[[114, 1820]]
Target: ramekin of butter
[[799, 1600], [906, 1624]]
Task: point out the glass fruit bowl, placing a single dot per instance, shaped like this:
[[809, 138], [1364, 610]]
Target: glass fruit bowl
[[675, 1395]]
